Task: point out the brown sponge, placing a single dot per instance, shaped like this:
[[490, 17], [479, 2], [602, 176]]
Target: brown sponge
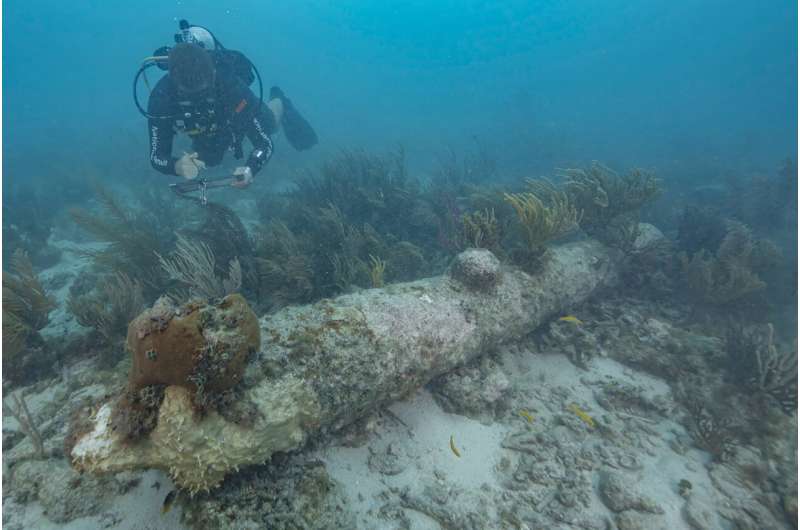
[[202, 347]]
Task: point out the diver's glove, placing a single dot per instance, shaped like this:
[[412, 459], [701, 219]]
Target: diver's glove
[[245, 177], [188, 166]]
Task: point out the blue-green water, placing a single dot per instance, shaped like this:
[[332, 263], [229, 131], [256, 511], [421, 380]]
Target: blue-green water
[[672, 85]]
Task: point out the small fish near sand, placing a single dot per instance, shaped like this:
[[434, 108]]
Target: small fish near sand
[[527, 415], [169, 500], [453, 447], [570, 318], [582, 414]]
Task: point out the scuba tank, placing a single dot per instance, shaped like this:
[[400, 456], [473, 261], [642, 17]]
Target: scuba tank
[[228, 62]]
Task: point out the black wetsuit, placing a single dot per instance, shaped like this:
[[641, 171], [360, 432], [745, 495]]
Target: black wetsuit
[[216, 122]]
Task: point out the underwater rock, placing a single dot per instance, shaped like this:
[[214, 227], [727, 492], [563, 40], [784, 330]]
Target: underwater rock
[[738, 504], [647, 236], [476, 268], [449, 505], [288, 494], [359, 432], [11, 437], [63, 493], [624, 397], [574, 340], [700, 513], [387, 461], [639, 521], [479, 391], [325, 365], [619, 494]]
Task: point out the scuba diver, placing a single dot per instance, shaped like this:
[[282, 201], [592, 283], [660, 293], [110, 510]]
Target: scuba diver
[[206, 95]]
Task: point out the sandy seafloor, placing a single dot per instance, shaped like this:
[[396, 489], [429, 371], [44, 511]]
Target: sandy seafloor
[[422, 440], [419, 431], [526, 459]]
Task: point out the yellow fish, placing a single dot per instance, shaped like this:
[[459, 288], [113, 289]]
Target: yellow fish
[[453, 447], [527, 415], [570, 318], [582, 414]]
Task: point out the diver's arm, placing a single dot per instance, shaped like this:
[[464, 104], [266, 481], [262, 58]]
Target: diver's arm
[[262, 145], [160, 128], [259, 156], [161, 136], [254, 120]]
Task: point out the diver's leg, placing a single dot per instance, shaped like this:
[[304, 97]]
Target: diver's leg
[[275, 105]]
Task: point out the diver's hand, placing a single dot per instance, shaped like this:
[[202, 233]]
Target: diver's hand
[[245, 177], [188, 166]]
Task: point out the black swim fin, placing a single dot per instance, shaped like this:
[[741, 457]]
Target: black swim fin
[[298, 131]]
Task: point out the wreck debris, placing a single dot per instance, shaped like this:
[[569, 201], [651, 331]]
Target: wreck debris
[[325, 365]]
